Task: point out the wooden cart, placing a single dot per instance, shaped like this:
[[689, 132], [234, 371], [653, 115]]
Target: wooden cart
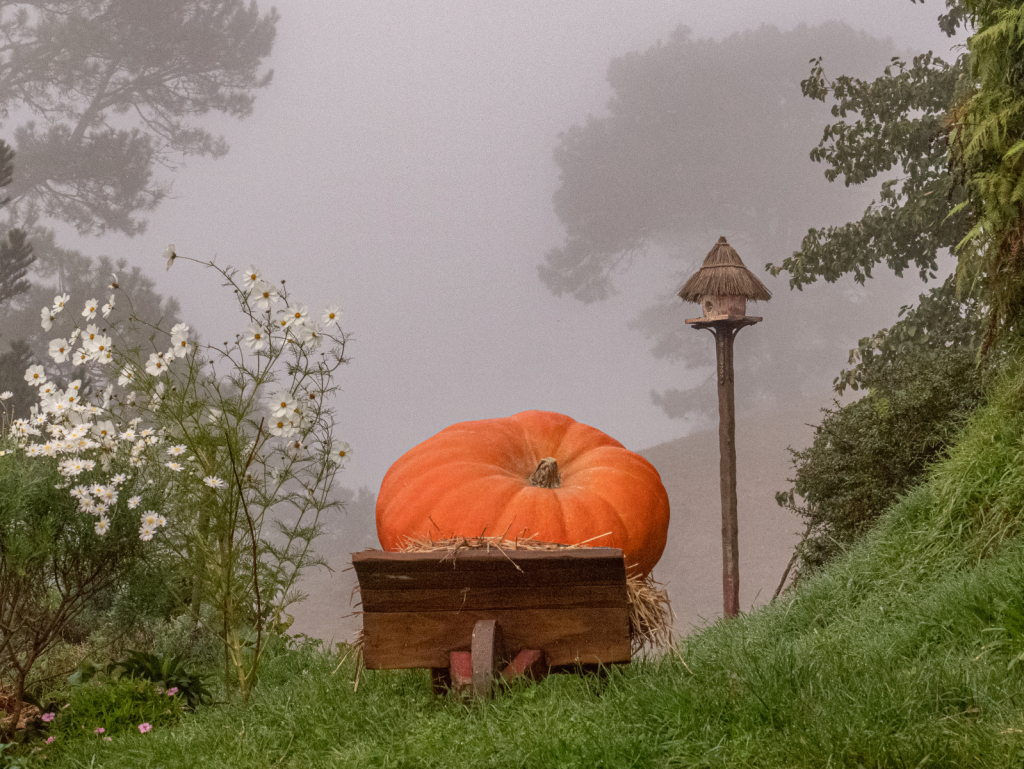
[[477, 615]]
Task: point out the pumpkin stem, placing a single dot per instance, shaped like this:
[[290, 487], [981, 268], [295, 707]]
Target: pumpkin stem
[[546, 475]]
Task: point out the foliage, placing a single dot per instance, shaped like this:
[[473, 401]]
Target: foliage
[[15, 250], [868, 453], [899, 120], [112, 89], [54, 559], [987, 150], [254, 433], [169, 672], [115, 705]]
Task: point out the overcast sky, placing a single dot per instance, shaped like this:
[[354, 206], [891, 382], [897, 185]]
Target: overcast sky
[[400, 165]]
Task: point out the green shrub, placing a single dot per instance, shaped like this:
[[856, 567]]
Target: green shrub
[[117, 706], [868, 453]]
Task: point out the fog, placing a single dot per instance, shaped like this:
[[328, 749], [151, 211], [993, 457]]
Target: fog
[[401, 166]]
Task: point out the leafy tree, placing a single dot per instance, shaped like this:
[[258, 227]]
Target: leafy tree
[[869, 452], [988, 151], [15, 250], [112, 89], [701, 138]]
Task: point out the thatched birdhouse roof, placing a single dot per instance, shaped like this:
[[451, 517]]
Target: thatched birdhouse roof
[[723, 274]]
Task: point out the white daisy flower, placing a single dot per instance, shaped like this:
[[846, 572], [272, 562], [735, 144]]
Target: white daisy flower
[[149, 518], [174, 466], [256, 337], [102, 526], [59, 350], [179, 340], [35, 375], [331, 316], [156, 365], [265, 295], [161, 521], [90, 309], [341, 452], [118, 479], [282, 403], [146, 533], [128, 435], [251, 277], [79, 492], [133, 502], [214, 482], [177, 451], [5, 395]]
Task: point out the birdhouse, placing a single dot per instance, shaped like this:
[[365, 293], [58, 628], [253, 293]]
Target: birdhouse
[[723, 285]]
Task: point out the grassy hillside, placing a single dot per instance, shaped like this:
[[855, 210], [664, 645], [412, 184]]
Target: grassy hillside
[[900, 655]]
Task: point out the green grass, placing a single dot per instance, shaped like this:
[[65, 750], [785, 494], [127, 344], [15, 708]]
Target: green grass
[[898, 655]]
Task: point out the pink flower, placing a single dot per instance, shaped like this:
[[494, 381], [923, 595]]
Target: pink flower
[[48, 717], [98, 730], [145, 727], [50, 739], [108, 739], [172, 691]]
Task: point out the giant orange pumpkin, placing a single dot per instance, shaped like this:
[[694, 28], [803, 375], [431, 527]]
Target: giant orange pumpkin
[[534, 474]]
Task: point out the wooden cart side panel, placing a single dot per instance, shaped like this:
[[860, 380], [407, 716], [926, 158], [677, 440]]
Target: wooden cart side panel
[[426, 639], [473, 598]]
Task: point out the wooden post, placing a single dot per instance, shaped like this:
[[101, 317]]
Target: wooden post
[[725, 330], [724, 337]]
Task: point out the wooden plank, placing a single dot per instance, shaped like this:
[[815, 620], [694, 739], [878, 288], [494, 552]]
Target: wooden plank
[[449, 579], [503, 597], [378, 560], [426, 639]]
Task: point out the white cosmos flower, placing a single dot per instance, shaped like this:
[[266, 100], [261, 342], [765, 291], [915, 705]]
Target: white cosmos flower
[[126, 377], [156, 365], [46, 319], [107, 356], [174, 466], [133, 502], [104, 430], [256, 337], [102, 525], [283, 319], [341, 452], [282, 427], [106, 309], [214, 482], [282, 403], [35, 375], [80, 358], [177, 451], [179, 340], [90, 309], [59, 301], [146, 533], [251, 277], [91, 332], [170, 255], [5, 395], [59, 350], [213, 416], [299, 313], [331, 316], [265, 295]]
